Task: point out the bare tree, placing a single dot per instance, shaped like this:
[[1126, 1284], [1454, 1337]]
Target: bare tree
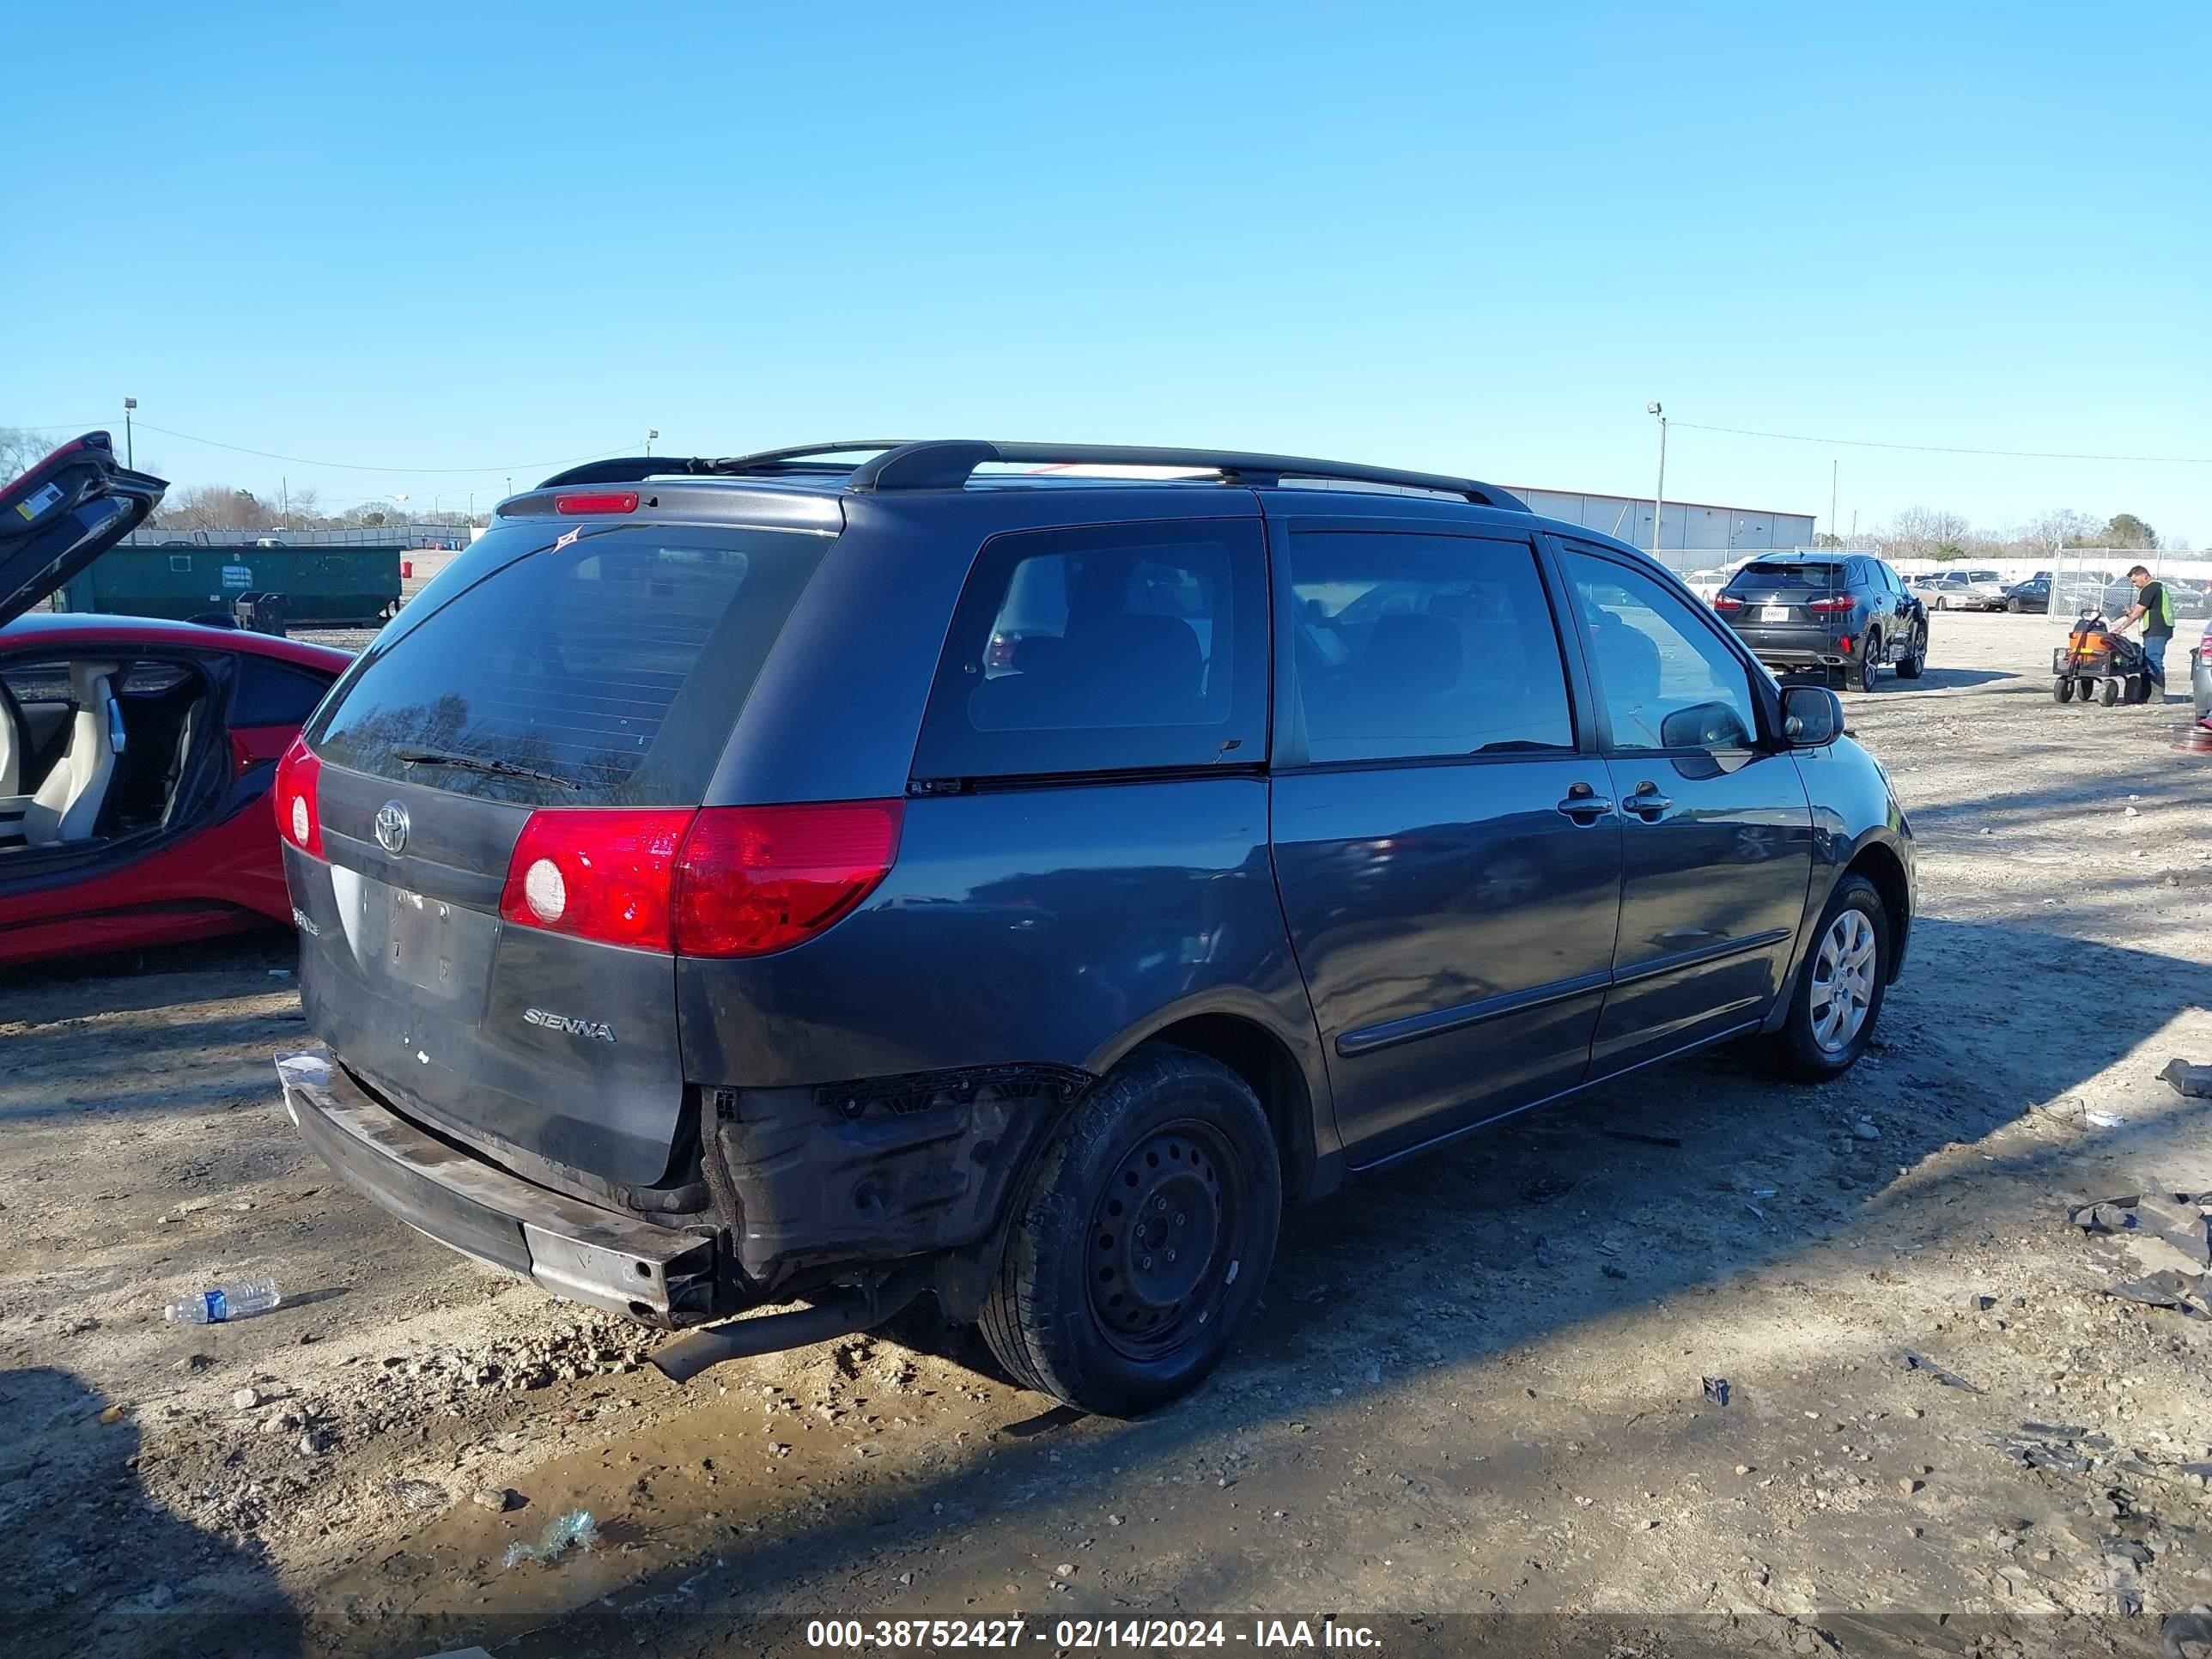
[[20, 449], [1923, 533], [215, 506]]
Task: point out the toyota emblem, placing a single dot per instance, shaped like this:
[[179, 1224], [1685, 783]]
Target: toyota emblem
[[392, 828]]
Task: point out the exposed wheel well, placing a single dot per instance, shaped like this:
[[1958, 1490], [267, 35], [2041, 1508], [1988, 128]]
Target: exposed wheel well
[[1261, 1059], [1881, 867]]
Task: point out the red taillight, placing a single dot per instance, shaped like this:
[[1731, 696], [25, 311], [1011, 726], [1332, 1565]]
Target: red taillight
[[726, 881], [1844, 642], [1829, 605], [756, 879], [604, 501], [604, 874], [1721, 602], [298, 811]]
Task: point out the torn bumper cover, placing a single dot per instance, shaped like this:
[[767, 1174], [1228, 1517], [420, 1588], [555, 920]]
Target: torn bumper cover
[[598, 1256]]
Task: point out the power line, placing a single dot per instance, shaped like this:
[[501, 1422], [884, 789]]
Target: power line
[[1951, 449], [345, 466], [357, 466]]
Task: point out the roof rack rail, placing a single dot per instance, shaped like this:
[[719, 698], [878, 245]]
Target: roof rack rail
[[947, 463], [629, 469]]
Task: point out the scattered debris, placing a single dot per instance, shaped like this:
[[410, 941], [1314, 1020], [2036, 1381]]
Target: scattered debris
[[419, 1494], [1543, 1251], [2188, 1079], [1765, 1192], [2186, 1635], [2050, 1446], [1717, 1390], [2183, 1293], [576, 1529], [1643, 1140], [2097, 1119], [114, 1414], [497, 1499], [245, 1399], [2177, 1218], [1913, 1360]]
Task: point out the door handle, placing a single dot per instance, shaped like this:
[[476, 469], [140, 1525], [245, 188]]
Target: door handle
[[1647, 803], [1584, 805]]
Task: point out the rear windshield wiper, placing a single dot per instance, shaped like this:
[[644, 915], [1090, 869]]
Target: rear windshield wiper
[[411, 756]]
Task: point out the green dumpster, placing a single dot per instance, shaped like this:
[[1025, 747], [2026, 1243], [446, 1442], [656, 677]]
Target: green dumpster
[[322, 586]]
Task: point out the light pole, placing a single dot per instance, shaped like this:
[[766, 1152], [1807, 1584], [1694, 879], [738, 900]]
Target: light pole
[[649, 437], [1658, 495], [1832, 526], [130, 448]]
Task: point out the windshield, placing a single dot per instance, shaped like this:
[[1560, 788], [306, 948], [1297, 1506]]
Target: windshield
[[591, 667]]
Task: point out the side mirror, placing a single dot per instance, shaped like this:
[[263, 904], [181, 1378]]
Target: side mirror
[[1812, 715]]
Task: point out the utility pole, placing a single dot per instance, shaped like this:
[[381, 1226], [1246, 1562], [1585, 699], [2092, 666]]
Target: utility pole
[[649, 437], [285, 486], [1832, 467], [130, 448], [1658, 495]]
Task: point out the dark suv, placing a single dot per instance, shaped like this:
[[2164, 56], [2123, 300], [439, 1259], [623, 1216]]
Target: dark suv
[[791, 877], [1842, 615]]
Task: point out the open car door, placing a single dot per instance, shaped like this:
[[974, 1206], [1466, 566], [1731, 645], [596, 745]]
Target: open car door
[[64, 513]]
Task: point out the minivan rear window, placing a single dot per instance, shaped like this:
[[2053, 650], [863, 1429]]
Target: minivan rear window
[[1793, 574], [590, 668], [1112, 647]]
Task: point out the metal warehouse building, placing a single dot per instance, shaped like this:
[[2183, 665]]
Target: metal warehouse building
[[1691, 527]]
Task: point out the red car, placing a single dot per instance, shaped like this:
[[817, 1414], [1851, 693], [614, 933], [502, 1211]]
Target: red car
[[136, 755]]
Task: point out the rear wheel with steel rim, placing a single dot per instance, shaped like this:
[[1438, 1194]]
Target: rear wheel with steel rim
[[1839, 986], [1142, 1237]]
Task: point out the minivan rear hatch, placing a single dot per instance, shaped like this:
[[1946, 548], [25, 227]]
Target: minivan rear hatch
[[585, 675]]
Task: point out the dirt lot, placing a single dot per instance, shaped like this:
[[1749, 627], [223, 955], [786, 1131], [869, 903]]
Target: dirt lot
[[1474, 1393]]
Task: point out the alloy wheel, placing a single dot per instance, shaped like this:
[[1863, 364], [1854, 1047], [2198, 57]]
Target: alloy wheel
[[1842, 981]]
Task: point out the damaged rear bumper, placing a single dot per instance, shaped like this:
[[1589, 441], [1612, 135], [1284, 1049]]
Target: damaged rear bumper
[[655, 1274]]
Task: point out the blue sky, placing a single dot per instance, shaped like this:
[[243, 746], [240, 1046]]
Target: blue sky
[[1469, 238]]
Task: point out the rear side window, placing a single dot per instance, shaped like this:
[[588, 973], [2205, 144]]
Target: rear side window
[[266, 693], [1413, 645], [589, 668], [1790, 573], [1112, 647]]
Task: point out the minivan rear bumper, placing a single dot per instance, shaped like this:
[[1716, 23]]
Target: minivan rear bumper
[[654, 1274]]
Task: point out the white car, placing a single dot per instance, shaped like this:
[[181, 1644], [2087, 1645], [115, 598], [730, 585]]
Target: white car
[[1962, 590]]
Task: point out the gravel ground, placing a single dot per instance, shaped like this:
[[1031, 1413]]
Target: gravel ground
[[1475, 1392]]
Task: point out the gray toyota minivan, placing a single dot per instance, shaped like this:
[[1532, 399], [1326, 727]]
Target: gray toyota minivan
[[834, 875]]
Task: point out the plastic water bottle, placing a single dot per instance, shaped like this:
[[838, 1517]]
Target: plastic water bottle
[[224, 1302]]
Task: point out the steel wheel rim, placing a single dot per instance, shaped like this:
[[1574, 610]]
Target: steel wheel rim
[[1164, 1242], [1842, 981]]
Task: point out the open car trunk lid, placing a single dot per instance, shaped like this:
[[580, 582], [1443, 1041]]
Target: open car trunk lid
[[64, 513], [550, 668]]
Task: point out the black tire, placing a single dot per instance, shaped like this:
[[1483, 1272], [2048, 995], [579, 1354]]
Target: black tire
[[2061, 690], [1795, 1051], [2014, 606], [2108, 692], [1869, 660], [1909, 664], [1183, 1137], [2138, 688], [1942, 603]]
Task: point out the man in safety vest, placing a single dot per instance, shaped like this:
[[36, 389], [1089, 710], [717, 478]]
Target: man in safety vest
[[2155, 606]]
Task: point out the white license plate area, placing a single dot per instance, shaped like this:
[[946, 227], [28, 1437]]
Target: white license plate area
[[1774, 613]]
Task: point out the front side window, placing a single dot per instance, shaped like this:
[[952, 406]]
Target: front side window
[[1417, 646], [1112, 647], [1667, 681]]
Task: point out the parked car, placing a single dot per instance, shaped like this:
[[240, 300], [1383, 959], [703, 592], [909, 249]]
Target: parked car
[[1962, 590], [1843, 615], [1707, 584], [2035, 595], [135, 754], [696, 914]]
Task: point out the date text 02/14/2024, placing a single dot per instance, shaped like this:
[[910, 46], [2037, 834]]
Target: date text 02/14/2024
[[1090, 1635]]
